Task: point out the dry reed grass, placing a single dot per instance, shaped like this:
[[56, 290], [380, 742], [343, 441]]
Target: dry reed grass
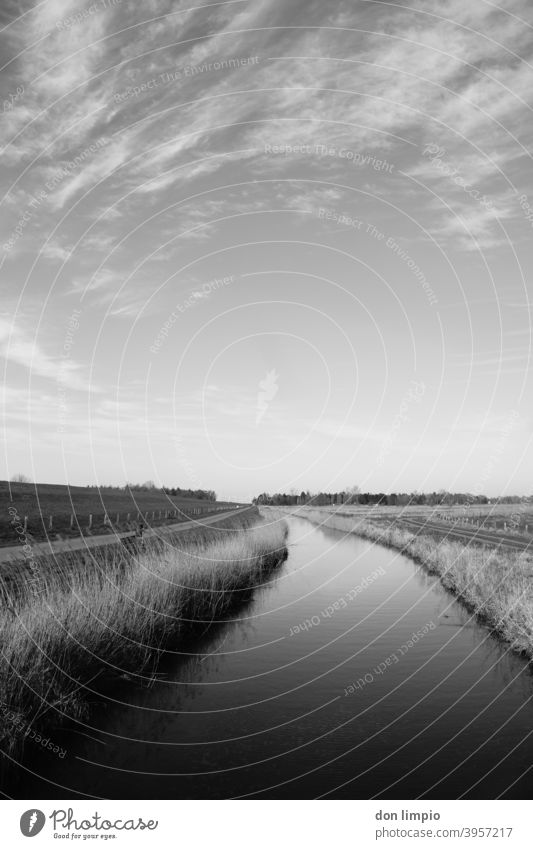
[[92, 626]]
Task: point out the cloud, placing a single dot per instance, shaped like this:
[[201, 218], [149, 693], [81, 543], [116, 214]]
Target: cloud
[[494, 360], [105, 281], [17, 346], [475, 226], [415, 72], [54, 251]]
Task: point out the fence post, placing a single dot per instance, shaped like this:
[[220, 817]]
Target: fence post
[[50, 522], [127, 517], [90, 520], [72, 520], [118, 518], [25, 524]]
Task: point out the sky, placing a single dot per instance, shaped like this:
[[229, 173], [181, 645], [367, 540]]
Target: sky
[[262, 245]]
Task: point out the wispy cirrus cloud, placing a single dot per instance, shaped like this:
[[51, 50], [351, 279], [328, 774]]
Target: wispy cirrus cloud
[[18, 347], [419, 72]]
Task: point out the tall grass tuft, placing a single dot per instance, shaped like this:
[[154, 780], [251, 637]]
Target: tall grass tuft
[[88, 627]]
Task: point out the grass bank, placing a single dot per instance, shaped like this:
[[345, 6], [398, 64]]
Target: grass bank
[[41, 502], [83, 629], [496, 585], [34, 570]]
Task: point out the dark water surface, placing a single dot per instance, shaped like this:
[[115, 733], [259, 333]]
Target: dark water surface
[[259, 708]]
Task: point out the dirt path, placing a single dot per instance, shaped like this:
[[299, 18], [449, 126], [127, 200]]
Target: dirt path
[[15, 552], [469, 534]]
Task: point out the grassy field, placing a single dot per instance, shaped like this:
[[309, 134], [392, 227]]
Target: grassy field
[[497, 586], [71, 507], [74, 632], [512, 518]]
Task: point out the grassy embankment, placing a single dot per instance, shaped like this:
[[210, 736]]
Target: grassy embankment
[[496, 585], [77, 632], [29, 567], [65, 504]]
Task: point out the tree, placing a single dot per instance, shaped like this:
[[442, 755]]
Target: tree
[[20, 478], [353, 494]]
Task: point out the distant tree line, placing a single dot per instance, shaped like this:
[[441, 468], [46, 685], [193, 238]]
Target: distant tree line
[[353, 496], [200, 494]]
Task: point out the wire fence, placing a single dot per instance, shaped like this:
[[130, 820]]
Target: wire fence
[[74, 524]]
